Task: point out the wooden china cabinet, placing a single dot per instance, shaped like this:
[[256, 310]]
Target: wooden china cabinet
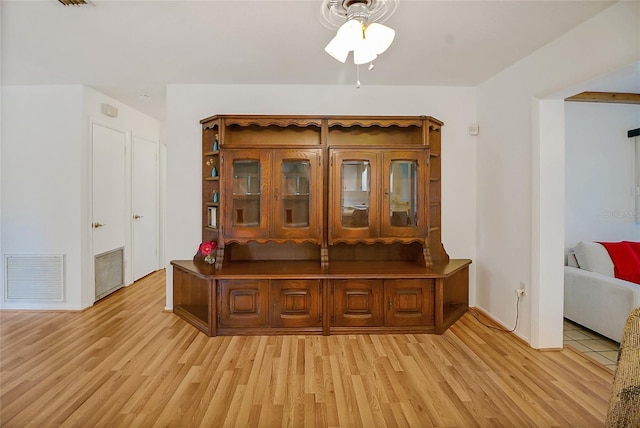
[[324, 225]]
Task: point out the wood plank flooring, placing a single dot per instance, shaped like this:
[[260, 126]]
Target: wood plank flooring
[[126, 362]]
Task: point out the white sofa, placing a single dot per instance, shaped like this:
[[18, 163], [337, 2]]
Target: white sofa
[[593, 297]]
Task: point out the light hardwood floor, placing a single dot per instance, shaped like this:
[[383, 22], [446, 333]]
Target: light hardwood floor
[[126, 362]]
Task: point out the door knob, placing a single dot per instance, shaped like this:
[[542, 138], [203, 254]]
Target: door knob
[[136, 216], [97, 225]]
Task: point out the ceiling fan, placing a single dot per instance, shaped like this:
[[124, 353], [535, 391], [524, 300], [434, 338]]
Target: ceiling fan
[[359, 28]]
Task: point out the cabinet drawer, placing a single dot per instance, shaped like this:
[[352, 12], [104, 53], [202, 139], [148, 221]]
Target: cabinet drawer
[[408, 302], [357, 303], [296, 303], [243, 303]]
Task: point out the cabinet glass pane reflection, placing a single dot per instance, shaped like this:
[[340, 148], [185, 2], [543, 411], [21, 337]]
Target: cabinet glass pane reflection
[[403, 185], [246, 193], [295, 193], [355, 193]]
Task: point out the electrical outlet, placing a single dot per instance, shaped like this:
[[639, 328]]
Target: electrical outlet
[[522, 291]]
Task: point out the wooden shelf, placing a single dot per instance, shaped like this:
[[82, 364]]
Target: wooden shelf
[[294, 197], [246, 195]]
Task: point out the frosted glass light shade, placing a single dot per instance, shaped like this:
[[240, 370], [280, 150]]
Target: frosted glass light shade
[[351, 32], [349, 35], [366, 43], [379, 37], [337, 49], [364, 52]]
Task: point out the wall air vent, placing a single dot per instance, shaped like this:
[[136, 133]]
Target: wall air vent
[[73, 2], [34, 277]]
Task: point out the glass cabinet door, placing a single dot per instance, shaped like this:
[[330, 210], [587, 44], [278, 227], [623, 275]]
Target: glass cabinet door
[[403, 193], [403, 210], [244, 196], [354, 195], [246, 193], [298, 192], [294, 191]]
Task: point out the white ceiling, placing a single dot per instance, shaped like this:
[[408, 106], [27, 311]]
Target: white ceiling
[[124, 48]]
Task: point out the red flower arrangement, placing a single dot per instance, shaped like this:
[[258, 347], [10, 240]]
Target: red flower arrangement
[[207, 250]]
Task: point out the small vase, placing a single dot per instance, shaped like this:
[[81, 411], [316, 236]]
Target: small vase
[[210, 259]]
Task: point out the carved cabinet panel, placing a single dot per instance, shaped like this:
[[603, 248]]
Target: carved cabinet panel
[[409, 302], [243, 303], [357, 303], [296, 303]]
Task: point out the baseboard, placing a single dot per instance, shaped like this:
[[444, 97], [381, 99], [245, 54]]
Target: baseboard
[[489, 318], [499, 324]]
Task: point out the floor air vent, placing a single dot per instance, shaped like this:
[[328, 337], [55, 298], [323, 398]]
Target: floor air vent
[[109, 269], [34, 277]]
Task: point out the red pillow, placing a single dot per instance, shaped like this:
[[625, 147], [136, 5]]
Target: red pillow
[[625, 256], [635, 246]]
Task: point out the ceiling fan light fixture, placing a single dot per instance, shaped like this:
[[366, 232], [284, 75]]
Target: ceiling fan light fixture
[[360, 33]]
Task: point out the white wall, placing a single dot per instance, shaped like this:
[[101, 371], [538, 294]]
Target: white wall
[[42, 180], [600, 182], [187, 104], [520, 221], [45, 206]]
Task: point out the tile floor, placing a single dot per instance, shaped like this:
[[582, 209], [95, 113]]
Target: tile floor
[[590, 343]]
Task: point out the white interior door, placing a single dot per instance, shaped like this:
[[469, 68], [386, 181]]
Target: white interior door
[[145, 209], [109, 207]]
